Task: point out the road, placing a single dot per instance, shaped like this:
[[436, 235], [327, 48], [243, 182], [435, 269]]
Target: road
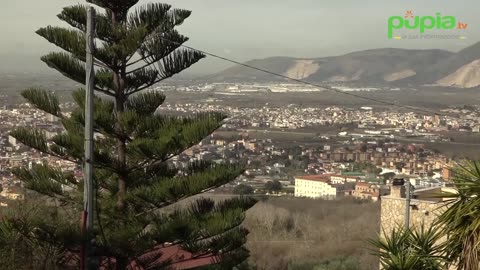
[[314, 134], [277, 132]]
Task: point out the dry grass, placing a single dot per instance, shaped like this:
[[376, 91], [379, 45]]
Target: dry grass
[[285, 230]]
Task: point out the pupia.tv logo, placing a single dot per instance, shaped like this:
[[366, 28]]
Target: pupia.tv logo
[[423, 23]]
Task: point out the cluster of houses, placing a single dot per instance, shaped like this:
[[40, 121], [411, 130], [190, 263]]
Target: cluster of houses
[[333, 186]]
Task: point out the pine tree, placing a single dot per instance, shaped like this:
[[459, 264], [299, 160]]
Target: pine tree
[[137, 183]]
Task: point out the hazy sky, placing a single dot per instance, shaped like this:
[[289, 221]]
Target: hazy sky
[[250, 29]]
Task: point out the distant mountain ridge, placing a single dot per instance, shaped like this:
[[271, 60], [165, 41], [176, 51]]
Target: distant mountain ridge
[[376, 66], [451, 71]]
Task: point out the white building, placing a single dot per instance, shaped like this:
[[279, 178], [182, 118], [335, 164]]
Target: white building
[[12, 140], [50, 134], [319, 186], [341, 179], [51, 118]]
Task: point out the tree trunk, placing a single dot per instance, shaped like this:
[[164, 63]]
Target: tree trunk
[[122, 181], [119, 84], [121, 143]]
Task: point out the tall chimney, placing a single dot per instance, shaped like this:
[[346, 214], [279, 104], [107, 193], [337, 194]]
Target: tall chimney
[[398, 188]]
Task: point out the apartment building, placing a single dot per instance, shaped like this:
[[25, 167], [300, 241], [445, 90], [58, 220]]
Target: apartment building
[[341, 179], [319, 187], [368, 191]]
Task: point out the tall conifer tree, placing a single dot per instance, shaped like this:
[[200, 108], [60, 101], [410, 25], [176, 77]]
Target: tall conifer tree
[[134, 177]]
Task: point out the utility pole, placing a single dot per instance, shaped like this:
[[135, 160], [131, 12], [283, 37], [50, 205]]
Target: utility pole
[[407, 205], [87, 223]]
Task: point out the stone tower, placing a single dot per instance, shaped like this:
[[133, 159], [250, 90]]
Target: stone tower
[[398, 188]]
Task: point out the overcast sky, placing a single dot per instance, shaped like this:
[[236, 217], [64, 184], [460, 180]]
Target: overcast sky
[[251, 29]]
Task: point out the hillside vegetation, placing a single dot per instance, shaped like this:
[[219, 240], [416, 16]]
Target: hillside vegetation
[[294, 233]]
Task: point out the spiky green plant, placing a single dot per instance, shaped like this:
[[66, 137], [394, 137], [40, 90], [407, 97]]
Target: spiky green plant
[[461, 219], [18, 251], [133, 145], [410, 249]]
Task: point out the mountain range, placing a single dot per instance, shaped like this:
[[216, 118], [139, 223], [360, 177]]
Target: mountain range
[[377, 66]]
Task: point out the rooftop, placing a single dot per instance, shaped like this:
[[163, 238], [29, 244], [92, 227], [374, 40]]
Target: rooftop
[[353, 174], [363, 184], [318, 178]]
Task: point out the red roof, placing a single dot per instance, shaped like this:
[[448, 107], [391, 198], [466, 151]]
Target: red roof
[[180, 259], [363, 184], [319, 178], [172, 256]]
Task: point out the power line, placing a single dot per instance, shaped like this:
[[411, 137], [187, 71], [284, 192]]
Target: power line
[[389, 103]]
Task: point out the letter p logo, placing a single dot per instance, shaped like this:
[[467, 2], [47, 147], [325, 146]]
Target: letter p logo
[[394, 22], [426, 22]]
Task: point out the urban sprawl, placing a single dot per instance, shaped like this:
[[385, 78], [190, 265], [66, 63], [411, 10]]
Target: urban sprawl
[[370, 148]]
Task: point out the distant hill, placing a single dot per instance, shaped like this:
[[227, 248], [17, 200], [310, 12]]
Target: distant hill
[[241, 73], [446, 67], [461, 69], [377, 66]]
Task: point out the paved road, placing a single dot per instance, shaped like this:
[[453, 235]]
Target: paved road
[[276, 131], [313, 134], [440, 142]]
